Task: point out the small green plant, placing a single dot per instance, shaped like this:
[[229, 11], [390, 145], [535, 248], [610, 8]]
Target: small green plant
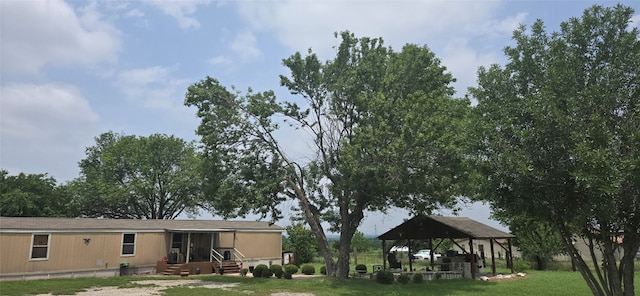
[[244, 271], [323, 269], [267, 273], [361, 268], [418, 278], [308, 269], [257, 271], [385, 277], [520, 265], [287, 276], [438, 276], [275, 267], [278, 273], [291, 268], [404, 278]]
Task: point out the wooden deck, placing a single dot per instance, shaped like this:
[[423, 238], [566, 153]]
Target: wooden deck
[[191, 268]]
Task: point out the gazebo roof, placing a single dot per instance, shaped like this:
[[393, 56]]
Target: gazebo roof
[[426, 227]]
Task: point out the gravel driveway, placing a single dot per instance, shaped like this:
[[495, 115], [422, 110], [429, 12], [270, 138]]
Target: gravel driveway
[[154, 287]]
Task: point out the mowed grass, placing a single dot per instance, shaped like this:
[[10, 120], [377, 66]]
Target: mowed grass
[[535, 283]]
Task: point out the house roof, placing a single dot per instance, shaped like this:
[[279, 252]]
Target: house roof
[[426, 227], [31, 224]]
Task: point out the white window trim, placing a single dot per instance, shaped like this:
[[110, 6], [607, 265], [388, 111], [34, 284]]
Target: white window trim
[[135, 243], [48, 247]]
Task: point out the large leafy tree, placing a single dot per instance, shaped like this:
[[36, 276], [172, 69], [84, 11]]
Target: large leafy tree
[[124, 176], [561, 136], [34, 195], [384, 131]]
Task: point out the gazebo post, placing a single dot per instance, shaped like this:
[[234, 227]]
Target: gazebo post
[[493, 258], [511, 256], [384, 250], [473, 259], [431, 251], [410, 263]]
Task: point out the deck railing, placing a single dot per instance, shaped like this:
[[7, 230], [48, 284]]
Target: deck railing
[[239, 255], [217, 256]]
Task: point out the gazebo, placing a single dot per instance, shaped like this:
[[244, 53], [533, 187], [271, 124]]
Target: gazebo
[[423, 227]]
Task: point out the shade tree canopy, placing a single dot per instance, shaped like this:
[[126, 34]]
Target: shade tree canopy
[[34, 195], [559, 137], [384, 131], [126, 176]]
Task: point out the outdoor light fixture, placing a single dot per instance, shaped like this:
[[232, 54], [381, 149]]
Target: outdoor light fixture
[[86, 240]]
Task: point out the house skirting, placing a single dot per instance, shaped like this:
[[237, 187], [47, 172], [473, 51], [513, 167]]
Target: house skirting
[[103, 272]]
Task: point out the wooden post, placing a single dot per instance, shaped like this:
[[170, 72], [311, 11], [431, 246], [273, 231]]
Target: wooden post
[[410, 263], [355, 256], [384, 260], [493, 258], [473, 259], [511, 256], [188, 246], [431, 251], [213, 246]]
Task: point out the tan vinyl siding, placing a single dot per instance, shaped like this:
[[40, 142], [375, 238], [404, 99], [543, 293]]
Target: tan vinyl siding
[[259, 245], [14, 252], [68, 251]]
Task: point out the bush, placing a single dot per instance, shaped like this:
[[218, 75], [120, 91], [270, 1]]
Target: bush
[[404, 278], [418, 278], [308, 269], [520, 265], [323, 269], [244, 271], [257, 271], [291, 268], [287, 275], [275, 267], [361, 268], [267, 273], [385, 277], [278, 273]]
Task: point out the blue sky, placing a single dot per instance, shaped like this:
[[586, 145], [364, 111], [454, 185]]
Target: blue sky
[[73, 70]]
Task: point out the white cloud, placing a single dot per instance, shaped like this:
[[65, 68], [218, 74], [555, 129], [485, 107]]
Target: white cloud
[[444, 26], [135, 13], [245, 46], [181, 11], [304, 24], [40, 33], [155, 88], [43, 126], [463, 61], [493, 27], [220, 61]]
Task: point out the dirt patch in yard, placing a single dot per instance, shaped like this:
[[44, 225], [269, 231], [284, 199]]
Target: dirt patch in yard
[[155, 287], [151, 287]]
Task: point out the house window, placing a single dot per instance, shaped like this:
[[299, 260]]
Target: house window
[[128, 243], [40, 246]]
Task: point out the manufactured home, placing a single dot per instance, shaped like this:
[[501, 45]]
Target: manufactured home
[[68, 247]]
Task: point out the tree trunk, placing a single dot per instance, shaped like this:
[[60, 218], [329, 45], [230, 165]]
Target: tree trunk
[[346, 235], [350, 223], [582, 266], [313, 219], [541, 262], [613, 279], [627, 268]]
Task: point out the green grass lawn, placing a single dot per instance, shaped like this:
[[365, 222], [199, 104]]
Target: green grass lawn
[[536, 283]]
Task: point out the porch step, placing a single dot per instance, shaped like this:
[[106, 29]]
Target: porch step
[[174, 269], [230, 266]]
